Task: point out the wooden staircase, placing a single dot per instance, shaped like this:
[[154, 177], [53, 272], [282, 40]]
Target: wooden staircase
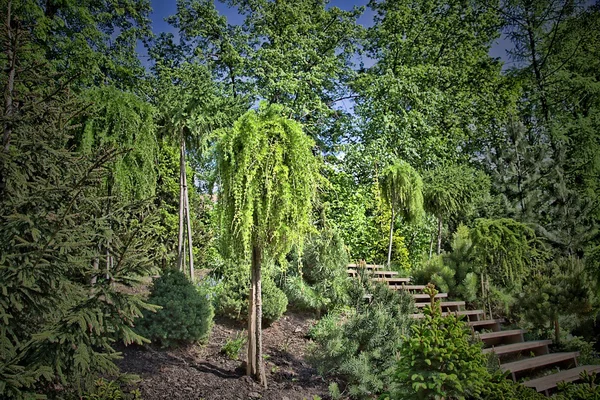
[[519, 358]]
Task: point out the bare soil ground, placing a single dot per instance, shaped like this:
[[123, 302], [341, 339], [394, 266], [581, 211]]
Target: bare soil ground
[[203, 372]]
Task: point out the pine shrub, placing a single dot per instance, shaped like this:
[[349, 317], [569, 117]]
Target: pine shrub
[[358, 344], [186, 315]]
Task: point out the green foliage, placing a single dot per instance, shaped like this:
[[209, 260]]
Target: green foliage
[[111, 390], [438, 360], [234, 289], [359, 344], [232, 347], [589, 389], [186, 315], [123, 121], [268, 180], [320, 282], [402, 190], [506, 249], [57, 326], [558, 289]]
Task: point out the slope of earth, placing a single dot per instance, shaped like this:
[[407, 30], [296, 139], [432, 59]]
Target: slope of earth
[[203, 372]]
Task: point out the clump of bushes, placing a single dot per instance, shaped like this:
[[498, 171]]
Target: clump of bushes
[[358, 344], [234, 289], [186, 314]]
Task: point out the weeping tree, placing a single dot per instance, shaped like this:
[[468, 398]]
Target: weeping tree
[[402, 190], [268, 178], [192, 107], [451, 190]]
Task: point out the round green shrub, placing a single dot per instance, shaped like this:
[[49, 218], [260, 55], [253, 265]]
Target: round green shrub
[[232, 300], [274, 301], [186, 314]]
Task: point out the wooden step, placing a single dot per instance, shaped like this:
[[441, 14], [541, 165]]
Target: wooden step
[[382, 274], [448, 305], [476, 314], [427, 297], [545, 383], [538, 347], [501, 337], [516, 368], [393, 281], [493, 324], [365, 266], [407, 287]]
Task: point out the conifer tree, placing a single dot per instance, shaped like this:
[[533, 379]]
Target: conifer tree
[[268, 180]]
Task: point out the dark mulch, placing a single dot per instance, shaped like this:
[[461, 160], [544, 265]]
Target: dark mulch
[[202, 372]]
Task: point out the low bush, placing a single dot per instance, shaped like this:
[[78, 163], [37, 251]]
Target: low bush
[[233, 347], [186, 314], [234, 288], [358, 344]]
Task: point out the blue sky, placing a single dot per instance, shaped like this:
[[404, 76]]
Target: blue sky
[[164, 8]]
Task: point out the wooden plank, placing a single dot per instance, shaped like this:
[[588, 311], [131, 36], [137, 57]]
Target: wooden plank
[[459, 313], [366, 266], [384, 273], [393, 280], [538, 346], [427, 297], [551, 381], [444, 304], [407, 287], [538, 362], [501, 337], [493, 324]]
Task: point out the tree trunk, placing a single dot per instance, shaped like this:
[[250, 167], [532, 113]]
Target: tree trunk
[[260, 366], [389, 260], [251, 363], [431, 247], [188, 223], [439, 236], [181, 206], [11, 64]]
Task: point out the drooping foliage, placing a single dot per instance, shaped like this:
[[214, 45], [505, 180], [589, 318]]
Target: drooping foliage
[[402, 190], [268, 181], [123, 121]]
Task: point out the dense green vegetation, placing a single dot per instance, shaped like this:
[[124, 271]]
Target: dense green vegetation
[[248, 164]]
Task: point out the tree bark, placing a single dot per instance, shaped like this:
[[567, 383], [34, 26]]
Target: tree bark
[[11, 62], [181, 206], [439, 236], [188, 222], [260, 366], [251, 363], [389, 260]]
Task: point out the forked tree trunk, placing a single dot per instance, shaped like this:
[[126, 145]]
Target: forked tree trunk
[[439, 236], [389, 260], [255, 366]]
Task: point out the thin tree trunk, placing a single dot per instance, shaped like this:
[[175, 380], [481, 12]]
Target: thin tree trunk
[[439, 236], [260, 366], [181, 206], [431, 247], [389, 260], [188, 223], [11, 62], [251, 363]]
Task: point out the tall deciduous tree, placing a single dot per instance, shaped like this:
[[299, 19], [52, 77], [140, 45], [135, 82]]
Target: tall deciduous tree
[[299, 54], [402, 190], [268, 181]]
